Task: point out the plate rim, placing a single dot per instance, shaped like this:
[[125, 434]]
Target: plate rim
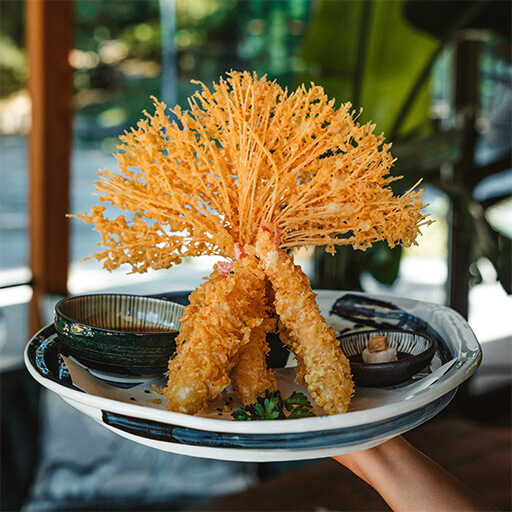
[[467, 363]]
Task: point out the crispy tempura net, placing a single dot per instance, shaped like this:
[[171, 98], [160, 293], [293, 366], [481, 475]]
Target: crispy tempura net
[[247, 153]]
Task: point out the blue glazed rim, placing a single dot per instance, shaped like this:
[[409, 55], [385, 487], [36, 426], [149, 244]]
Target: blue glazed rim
[[43, 352], [323, 439]]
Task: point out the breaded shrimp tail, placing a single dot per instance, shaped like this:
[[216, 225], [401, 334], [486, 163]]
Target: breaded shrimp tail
[[250, 376], [325, 368], [213, 331]]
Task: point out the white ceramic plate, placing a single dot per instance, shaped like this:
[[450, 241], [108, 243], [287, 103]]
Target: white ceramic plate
[[376, 415]]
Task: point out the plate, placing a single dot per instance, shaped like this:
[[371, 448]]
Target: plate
[[376, 415]]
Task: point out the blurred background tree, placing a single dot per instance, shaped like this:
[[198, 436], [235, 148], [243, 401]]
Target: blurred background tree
[[117, 55]]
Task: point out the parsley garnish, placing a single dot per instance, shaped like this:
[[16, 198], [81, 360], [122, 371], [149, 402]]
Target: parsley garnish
[[273, 406]]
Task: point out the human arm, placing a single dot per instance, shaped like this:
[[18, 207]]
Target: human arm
[[408, 480]]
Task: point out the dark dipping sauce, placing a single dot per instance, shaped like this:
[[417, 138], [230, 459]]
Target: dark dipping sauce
[[99, 323]]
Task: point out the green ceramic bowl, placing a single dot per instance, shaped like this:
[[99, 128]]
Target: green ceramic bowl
[[120, 335]]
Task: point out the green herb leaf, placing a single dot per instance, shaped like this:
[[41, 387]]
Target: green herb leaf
[[301, 412], [272, 406], [297, 399], [240, 415]]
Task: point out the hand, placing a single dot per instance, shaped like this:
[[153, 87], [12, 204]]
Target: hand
[[408, 480]]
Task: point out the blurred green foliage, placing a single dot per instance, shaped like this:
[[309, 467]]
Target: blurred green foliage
[[386, 58], [122, 41], [13, 59], [117, 51], [374, 63], [366, 53], [13, 67]]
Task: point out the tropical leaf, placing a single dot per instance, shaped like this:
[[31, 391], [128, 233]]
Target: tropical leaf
[[367, 53]]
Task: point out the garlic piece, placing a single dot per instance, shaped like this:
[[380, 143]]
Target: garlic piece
[[378, 351]]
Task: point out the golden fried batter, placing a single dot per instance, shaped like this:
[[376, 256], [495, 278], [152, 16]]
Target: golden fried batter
[[326, 370], [214, 330], [291, 343], [246, 153], [250, 376]]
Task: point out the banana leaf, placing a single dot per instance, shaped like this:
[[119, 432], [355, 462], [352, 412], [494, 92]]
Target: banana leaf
[[366, 53]]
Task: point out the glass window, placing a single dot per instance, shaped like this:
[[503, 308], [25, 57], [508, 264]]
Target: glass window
[[14, 126]]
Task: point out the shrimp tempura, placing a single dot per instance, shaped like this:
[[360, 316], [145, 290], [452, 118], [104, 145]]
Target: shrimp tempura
[[324, 368], [231, 307], [251, 377]]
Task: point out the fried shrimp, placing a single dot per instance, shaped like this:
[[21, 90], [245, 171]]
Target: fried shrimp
[[196, 299], [289, 341], [217, 323], [250, 376], [326, 370]]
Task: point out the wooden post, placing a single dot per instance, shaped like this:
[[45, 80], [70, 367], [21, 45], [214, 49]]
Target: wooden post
[[49, 38], [466, 105]]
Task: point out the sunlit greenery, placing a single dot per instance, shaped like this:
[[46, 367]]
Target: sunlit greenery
[[118, 51]]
